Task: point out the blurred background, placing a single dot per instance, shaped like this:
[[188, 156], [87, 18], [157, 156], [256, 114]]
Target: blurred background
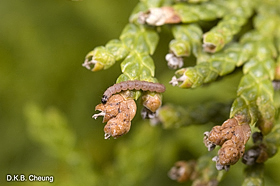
[[47, 99]]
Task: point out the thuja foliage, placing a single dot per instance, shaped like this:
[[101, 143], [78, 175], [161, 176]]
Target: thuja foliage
[[223, 36], [51, 129]]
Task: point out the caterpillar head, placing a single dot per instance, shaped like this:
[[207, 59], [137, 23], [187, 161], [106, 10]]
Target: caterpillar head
[[104, 99]]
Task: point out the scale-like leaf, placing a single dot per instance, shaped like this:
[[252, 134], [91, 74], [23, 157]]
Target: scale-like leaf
[[100, 58], [255, 88], [190, 13], [187, 38], [219, 64], [138, 66], [219, 36], [117, 48]]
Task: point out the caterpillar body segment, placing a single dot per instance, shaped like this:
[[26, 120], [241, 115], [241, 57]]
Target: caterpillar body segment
[[132, 85]]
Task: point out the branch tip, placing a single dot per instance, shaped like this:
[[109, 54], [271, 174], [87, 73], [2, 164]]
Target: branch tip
[[173, 61], [99, 114]]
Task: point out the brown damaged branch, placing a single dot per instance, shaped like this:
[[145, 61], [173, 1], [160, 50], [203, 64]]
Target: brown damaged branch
[[232, 137], [159, 16], [118, 113], [120, 109]]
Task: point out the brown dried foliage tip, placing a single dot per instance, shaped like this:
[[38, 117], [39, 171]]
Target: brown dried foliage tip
[[159, 16], [182, 171], [118, 113], [232, 137]]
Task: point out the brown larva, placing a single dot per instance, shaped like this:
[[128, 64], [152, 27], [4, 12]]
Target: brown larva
[[132, 85]]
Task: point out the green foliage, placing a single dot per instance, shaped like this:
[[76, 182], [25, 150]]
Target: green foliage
[[50, 130], [133, 38], [135, 44], [195, 12], [207, 172], [220, 53], [257, 50], [253, 49], [230, 25], [172, 116], [255, 91], [187, 38], [139, 152], [53, 131], [254, 175]]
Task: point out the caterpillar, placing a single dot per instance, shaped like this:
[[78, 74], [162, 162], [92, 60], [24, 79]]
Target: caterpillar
[[132, 85]]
